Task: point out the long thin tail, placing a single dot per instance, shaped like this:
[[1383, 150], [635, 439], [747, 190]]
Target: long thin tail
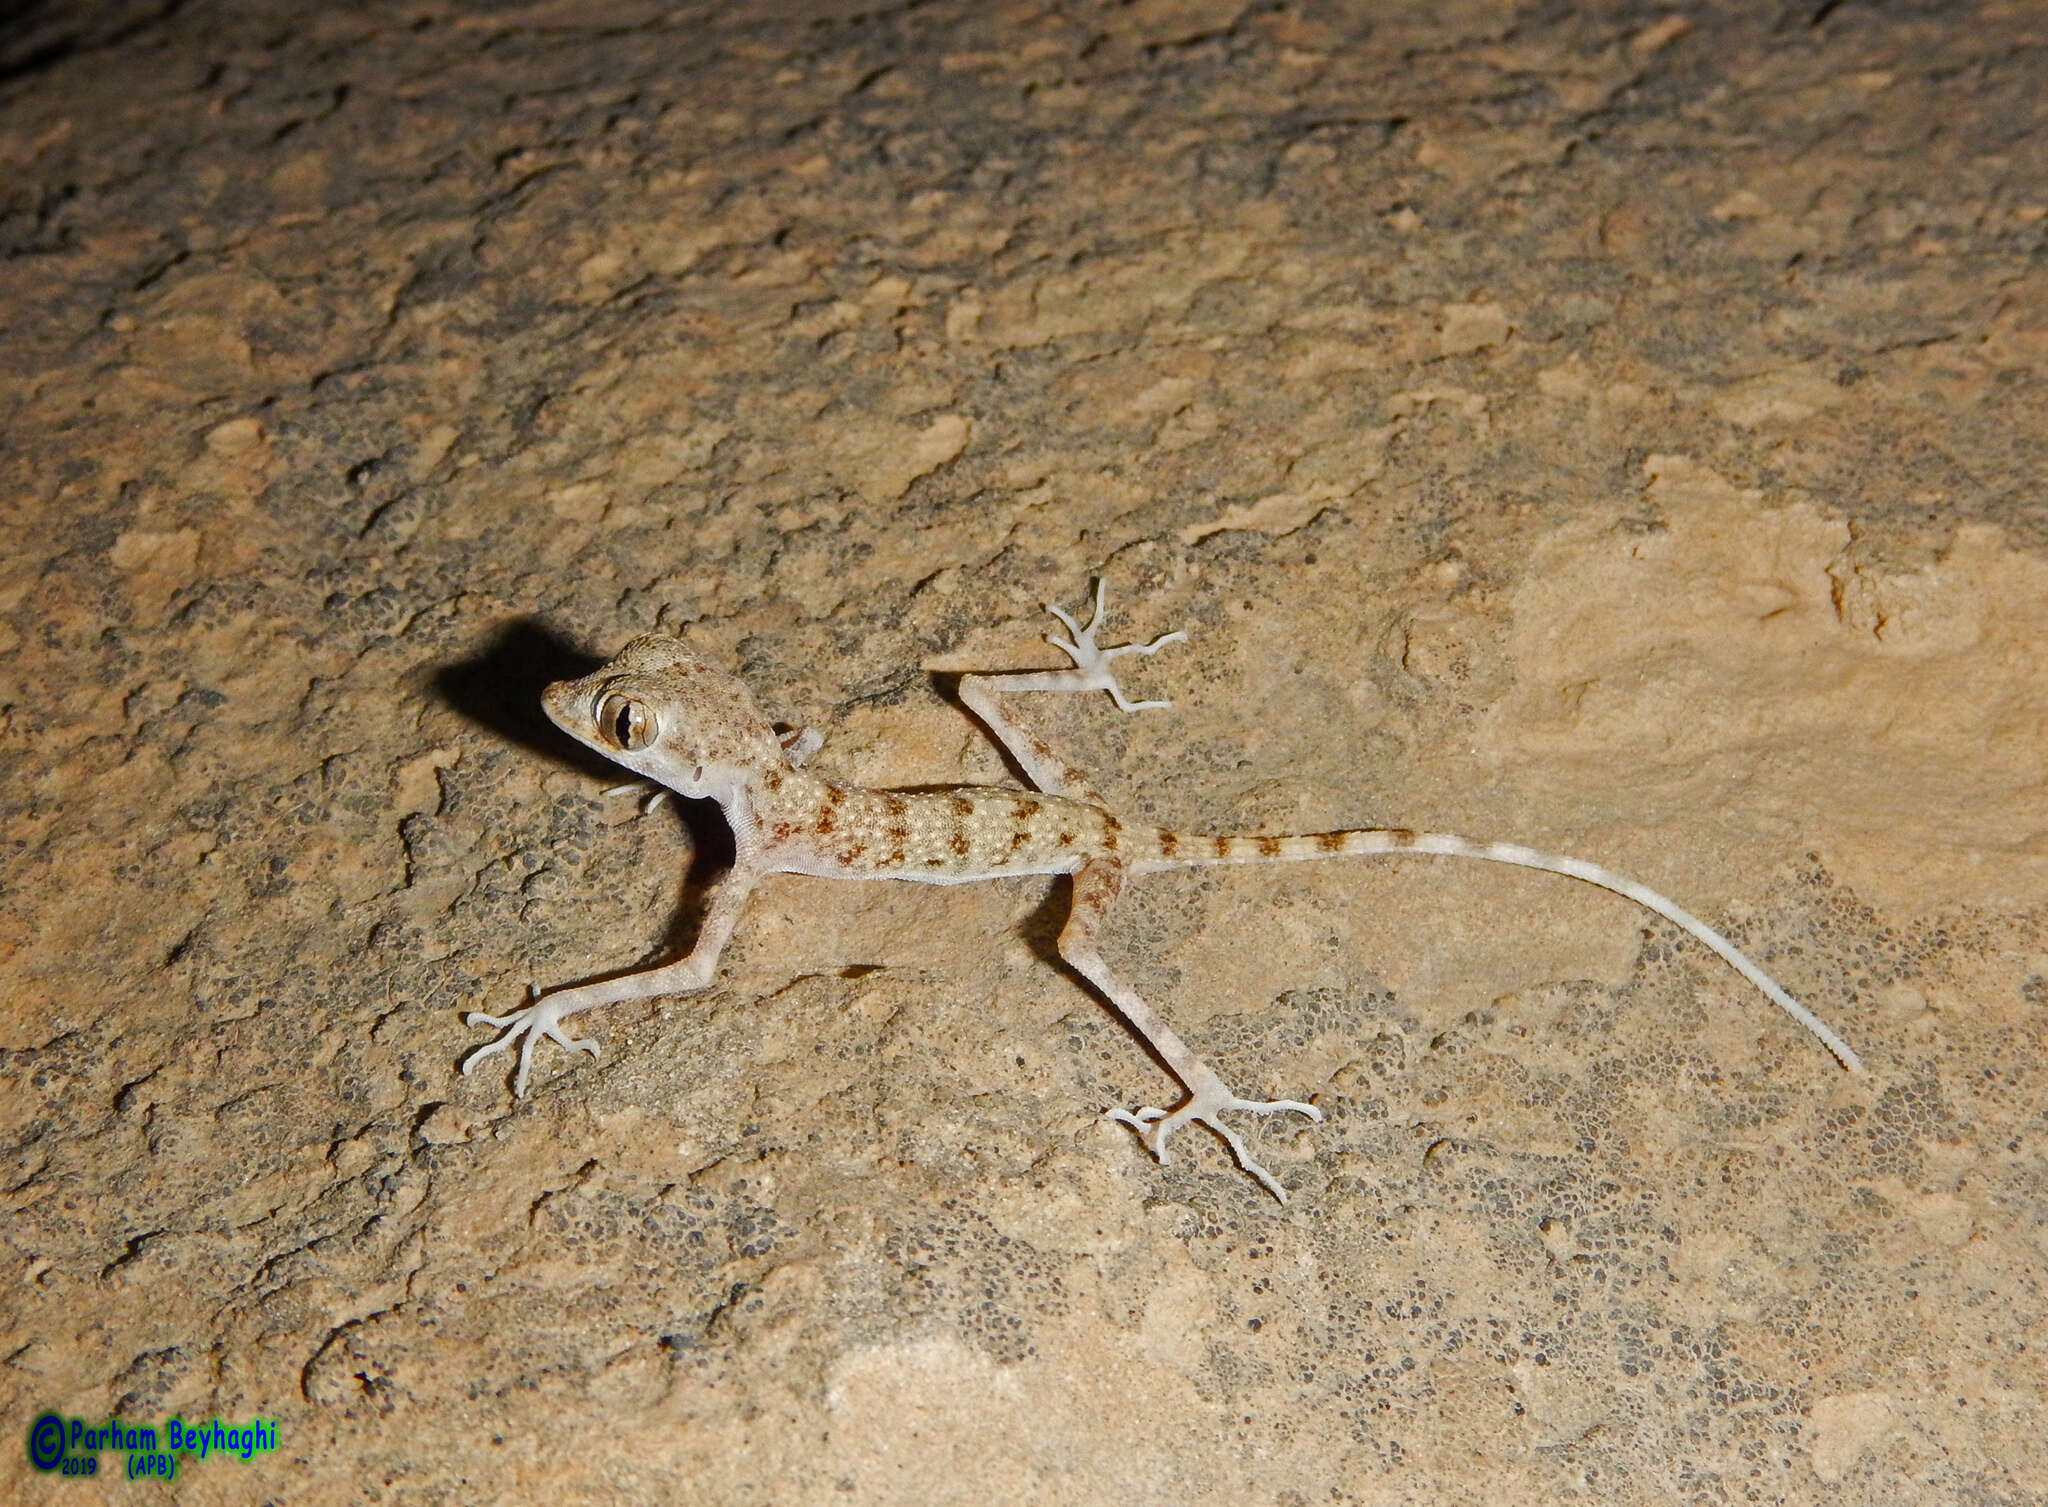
[[1173, 851]]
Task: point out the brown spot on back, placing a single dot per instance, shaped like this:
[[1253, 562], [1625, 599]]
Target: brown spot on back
[[784, 831], [1110, 823], [1222, 847], [1066, 839], [1269, 847], [834, 794], [1109, 837], [1329, 842], [892, 805], [960, 843], [898, 834], [1168, 842], [1018, 839], [772, 778], [824, 822], [1401, 837], [894, 859], [962, 805], [853, 852]]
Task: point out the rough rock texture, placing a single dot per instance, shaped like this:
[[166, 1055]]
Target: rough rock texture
[[1609, 427]]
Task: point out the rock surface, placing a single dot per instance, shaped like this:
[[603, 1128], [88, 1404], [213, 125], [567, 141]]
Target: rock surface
[[1615, 429]]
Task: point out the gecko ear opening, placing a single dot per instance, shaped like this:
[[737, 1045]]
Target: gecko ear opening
[[626, 723]]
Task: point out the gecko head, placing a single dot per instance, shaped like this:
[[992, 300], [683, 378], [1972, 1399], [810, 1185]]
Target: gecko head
[[664, 713]]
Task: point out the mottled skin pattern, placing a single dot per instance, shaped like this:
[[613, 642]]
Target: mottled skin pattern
[[664, 713], [952, 837]]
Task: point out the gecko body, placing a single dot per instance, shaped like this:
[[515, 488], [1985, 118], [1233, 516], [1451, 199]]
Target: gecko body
[[661, 711]]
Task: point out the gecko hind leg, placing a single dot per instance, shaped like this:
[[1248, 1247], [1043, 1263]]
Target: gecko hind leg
[[1096, 887], [1155, 1126]]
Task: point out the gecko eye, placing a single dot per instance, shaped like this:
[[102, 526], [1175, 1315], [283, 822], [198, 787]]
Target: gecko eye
[[626, 722]]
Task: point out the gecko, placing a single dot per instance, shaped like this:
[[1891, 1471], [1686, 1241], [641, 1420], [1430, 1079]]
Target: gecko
[[663, 712]]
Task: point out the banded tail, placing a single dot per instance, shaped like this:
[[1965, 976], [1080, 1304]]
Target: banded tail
[[1174, 850]]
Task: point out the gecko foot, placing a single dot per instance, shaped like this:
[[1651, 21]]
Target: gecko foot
[[1154, 1126], [541, 1018], [1092, 661]]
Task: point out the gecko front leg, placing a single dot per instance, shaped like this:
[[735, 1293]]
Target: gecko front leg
[[1096, 887], [1091, 671], [543, 1017]]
